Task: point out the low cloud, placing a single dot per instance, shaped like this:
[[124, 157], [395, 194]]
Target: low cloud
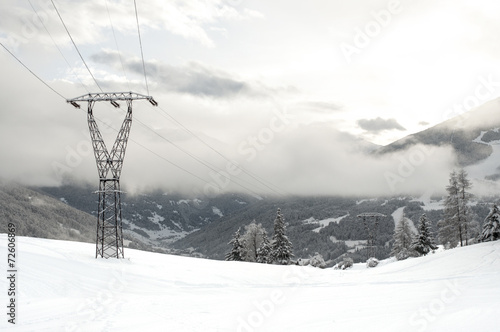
[[320, 160], [320, 106], [192, 78], [378, 124]]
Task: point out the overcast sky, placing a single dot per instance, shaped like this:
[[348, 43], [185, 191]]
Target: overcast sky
[[288, 89]]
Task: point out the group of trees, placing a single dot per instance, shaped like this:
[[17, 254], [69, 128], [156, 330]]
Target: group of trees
[[408, 244], [255, 246], [456, 228]]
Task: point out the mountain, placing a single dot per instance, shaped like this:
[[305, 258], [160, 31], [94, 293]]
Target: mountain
[[64, 288], [471, 135], [172, 223], [38, 215], [327, 225], [157, 218]]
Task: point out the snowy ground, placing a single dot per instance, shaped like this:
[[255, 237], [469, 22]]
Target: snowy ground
[[63, 288], [323, 223], [398, 214]]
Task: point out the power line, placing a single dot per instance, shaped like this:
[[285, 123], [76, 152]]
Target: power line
[[74, 44], [144, 147], [175, 165], [254, 176], [58, 48], [32, 73], [151, 151], [206, 164], [116, 43], [140, 44]]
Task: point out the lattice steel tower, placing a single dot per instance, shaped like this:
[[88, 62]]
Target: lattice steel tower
[[109, 240], [371, 231]]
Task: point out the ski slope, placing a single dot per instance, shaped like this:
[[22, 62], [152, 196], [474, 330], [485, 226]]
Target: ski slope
[[63, 288]]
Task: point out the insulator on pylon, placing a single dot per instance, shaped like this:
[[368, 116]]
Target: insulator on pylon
[[74, 104]]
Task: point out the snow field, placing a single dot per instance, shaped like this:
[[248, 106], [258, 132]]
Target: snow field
[[62, 287]]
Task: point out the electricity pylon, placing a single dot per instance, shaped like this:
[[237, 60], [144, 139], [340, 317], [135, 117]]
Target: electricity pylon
[[371, 231], [109, 240]]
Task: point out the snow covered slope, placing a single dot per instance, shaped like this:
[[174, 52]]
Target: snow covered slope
[[63, 288]]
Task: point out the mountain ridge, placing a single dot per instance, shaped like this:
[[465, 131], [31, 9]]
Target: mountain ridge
[[459, 132]]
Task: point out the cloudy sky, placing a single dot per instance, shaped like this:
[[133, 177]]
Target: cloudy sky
[[293, 91]]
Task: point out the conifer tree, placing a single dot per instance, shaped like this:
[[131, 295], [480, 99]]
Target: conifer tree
[[449, 232], [464, 196], [264, 251], [455, 228], [424, 242], [281, 247], [237, 248], [403, 239], [491, 226]]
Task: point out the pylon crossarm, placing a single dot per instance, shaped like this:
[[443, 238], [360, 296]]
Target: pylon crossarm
[[111, 97]]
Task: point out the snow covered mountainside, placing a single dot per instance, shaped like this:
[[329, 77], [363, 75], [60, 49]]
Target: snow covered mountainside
[[156, 218], [62, 287], [326, 225], [472, 136]]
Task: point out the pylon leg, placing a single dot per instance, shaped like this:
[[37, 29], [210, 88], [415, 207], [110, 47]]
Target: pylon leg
[[109, 241]]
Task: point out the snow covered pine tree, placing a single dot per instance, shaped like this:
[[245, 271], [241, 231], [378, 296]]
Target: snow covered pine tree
[[491, 226], [281, 247], [424, 242], [403, 238], [236, 253], [264, 251]]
